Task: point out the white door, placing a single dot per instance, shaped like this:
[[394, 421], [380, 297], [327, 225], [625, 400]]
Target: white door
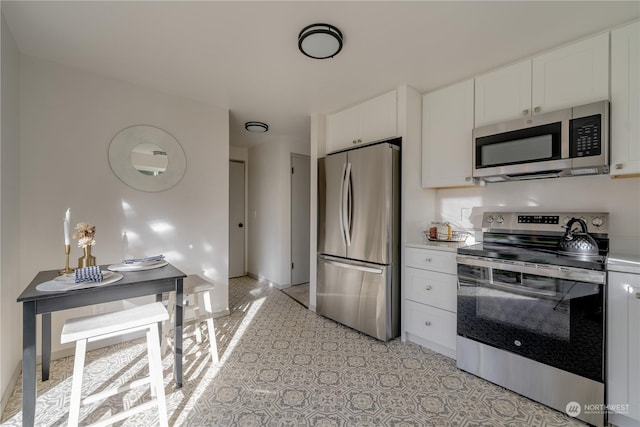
[[300, 200], [236, 219]]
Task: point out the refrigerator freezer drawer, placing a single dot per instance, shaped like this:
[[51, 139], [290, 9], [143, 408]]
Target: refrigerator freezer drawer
[[359, 295]]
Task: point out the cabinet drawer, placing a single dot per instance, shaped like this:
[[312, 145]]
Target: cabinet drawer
[[442, 261], [432, 288], [433, 324]]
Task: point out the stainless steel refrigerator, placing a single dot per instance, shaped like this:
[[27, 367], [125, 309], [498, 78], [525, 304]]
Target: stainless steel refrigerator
[[358, 238]]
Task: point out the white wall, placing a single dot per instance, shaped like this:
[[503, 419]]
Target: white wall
[[239, 153], [269, 210], [318, 149], [619, 197], [10, 285], [418, 204], [68, 118]]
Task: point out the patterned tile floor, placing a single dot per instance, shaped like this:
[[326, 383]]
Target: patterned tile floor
[[283, 365]]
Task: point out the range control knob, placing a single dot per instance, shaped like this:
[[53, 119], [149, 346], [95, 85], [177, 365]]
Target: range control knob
[[499, 220], [490, 219], [597, 221]]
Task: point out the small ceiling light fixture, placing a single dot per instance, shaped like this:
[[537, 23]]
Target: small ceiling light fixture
[[256, 127], [320, 41]]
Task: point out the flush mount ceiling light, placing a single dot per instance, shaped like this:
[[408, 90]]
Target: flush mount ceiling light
[[320, 41], [256, 127]]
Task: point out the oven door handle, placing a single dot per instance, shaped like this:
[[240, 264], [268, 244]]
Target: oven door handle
[[520, 290], [555, 271]]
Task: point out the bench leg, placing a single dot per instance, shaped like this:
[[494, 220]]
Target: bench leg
[[155, 371], [76, 385], [205, 302]]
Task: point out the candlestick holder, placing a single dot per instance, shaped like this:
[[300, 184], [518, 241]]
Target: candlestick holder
[[66, 269]]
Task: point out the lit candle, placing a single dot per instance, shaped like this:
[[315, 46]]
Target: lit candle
[[67, 217]]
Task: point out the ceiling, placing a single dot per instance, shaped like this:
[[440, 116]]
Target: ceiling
[[243, 55]]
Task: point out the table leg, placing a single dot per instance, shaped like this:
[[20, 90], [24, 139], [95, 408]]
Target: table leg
[[28, 363], [178, 333], [46, 345], [159, 299]]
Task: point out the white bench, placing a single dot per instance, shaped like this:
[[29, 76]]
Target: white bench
[[201, 310], [107, 325]]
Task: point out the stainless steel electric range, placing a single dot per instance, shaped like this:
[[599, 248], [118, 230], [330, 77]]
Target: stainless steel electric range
[[531, 317]]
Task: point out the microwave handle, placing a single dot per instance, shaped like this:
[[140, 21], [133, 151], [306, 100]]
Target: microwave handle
[[565, 142]]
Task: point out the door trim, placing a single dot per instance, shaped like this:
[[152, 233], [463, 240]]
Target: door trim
[[291, 156], [246, 203]]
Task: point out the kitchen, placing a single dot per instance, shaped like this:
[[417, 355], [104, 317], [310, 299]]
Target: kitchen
[[463, 206]]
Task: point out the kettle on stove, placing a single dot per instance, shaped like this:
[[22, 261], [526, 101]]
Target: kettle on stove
[[578, 242]]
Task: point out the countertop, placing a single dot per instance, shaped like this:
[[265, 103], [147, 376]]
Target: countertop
[[441, 246], [623, 263]]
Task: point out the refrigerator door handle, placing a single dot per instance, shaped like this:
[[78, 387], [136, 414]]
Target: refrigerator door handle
[[345, 205], [341, 206], [353, 266]]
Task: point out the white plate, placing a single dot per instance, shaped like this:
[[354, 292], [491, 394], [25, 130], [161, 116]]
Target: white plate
[[134, 267], [57, 285], [144, 263], [71, 277]]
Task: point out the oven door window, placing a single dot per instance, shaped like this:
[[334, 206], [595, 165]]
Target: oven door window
[[526, 302], [553, 321]]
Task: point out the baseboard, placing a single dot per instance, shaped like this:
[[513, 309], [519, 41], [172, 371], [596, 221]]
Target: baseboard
[[10, 386], [445, 351], [261, 278]]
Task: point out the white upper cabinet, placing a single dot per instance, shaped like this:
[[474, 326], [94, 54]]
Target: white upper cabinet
[[625, 102], [572, 75], [447, 125], [342, 129], [503, 94], [565, 77], [372, 120]]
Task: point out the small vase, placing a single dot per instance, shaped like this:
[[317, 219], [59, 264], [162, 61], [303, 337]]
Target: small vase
[[87, 260]]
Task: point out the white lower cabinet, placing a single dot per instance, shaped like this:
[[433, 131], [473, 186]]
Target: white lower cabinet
[[429, 299], [623, 348]]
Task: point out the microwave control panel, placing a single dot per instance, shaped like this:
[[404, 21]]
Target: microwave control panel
[[585, 136]]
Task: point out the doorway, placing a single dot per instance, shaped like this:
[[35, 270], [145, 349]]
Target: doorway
[[300, 214], [236, 219]]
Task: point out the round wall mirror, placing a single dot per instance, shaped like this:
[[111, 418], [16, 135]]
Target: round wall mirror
[[147, 158]]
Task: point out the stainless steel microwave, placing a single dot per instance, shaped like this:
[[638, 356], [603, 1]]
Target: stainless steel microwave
[[569, 142]]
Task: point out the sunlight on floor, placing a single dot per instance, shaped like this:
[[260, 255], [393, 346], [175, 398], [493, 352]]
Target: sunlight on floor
[[214, 369]]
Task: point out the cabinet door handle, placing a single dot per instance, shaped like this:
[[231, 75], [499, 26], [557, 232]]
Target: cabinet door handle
[[427, 259], [467, 178], [427, 288], [619, 166], [359, 140], [354, 141], [525, 112], [427, 323], [638, 295], [537, 110]]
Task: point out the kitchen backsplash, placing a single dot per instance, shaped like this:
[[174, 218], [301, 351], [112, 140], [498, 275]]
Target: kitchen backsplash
[[463, 207]]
